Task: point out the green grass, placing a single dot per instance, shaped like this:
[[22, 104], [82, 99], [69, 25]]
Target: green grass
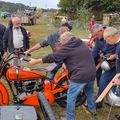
[[39, 32]]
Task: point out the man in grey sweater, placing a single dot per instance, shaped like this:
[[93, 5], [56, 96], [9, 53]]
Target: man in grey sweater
[[81, 67]]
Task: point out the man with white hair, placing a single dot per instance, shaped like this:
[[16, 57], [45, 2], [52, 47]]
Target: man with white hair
[[100, 50], [80, 64], [112, 37], [15, 37]]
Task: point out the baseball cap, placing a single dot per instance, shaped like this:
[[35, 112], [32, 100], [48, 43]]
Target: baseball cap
[[67, 25]]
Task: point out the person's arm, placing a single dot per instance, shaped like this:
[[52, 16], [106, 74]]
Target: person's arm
[[58, 56], [5, 41], [34, 48], [95, 50], [118, 59], [44, 43], [116, 79], [35, 61], [27, 39], [112, 57]]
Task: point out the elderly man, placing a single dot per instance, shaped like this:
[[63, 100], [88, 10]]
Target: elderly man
[[53, 41], [112, 37], [15, 37], [101, 48], [2, 31], [81, 69]]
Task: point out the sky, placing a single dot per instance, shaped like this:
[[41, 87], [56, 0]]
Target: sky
[[39, 3]]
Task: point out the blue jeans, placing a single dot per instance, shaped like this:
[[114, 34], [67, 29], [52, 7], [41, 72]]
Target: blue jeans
[[72, 94], [106, 77], [98, 76]]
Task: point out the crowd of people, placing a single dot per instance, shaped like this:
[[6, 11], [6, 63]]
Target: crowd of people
[[79, 59]]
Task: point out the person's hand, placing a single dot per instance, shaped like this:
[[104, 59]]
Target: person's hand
[[26, 52], [26, 69], [116, 80], [64, 66], [111, 57], [35, 61]]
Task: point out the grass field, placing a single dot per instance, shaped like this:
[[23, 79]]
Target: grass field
[[39, 32]]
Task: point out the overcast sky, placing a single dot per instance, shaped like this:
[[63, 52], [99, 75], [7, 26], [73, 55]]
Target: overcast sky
[[38, 3]]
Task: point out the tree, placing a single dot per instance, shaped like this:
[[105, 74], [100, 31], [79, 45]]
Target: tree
[[72, 7]]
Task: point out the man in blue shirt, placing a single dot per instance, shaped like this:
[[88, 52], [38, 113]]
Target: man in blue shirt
[[101, 48], [52, 40], [112, 37]]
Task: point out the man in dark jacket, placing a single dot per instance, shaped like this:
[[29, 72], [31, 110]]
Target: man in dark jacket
[[2, 31], [80, 64], [102, 48], [112, 37], [15, 37]]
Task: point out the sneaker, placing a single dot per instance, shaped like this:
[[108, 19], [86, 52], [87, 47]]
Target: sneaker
[[87, 110], [99, 105]]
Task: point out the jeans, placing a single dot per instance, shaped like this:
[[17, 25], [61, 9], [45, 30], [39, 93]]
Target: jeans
[[98, 75], [106, 77], [72, 94]]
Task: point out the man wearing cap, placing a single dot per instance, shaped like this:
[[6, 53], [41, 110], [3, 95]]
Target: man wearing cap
[[52, 40], [81, 68], [101, 48]]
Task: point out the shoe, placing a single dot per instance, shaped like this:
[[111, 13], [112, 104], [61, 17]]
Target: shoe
[[87, 110], [93, 112], [99, 105]]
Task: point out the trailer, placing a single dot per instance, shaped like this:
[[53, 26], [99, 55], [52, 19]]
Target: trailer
[[29, 16]]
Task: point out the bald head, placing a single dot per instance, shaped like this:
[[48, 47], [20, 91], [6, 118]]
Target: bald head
[[110, 31], [111, 35], [65, 37], [16, 22]]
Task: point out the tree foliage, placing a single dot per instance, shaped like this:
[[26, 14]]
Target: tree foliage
[[71, 7]]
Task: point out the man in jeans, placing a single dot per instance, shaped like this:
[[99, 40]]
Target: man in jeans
[[53, 41], [81, 69], [101, 48], [112, 37]]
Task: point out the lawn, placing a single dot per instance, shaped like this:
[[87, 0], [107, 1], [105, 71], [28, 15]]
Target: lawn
[[41, 31]]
